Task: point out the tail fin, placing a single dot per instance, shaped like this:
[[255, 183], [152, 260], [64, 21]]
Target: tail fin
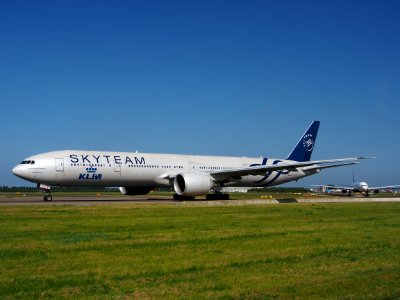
[[304, 148]]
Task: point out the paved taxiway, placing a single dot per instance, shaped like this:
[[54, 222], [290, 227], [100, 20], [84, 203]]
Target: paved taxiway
[[109, 200], [85, 201]]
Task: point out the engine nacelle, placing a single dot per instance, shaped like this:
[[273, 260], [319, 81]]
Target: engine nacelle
[[376, 191], [134, 190], [192, 184]]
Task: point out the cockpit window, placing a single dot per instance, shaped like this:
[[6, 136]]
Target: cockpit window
[[28, 162]]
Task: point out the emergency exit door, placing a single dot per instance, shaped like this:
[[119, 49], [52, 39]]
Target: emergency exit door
[[59, 164]]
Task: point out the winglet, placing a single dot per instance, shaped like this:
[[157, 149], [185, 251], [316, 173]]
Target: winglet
[[304, 148]]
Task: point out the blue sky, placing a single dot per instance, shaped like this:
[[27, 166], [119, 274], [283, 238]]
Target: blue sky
[[241, 78]]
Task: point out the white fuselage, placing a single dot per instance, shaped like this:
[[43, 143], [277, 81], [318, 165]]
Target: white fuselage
[[76, 168], [361, 187]]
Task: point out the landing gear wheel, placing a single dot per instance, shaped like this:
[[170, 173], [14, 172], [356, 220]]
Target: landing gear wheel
[[47, 198]]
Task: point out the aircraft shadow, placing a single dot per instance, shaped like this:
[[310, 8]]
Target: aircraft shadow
[[287, 200]]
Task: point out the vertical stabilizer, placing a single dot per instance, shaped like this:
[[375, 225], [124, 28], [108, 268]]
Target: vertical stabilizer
[[304, 148]]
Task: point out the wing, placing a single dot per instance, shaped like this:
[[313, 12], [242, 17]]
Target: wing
[[384, 187], [330, 186], [290, 166], [333, 187]]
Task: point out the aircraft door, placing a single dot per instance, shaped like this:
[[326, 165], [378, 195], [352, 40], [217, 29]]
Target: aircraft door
[[192, 166], [117, 168], [59, 165]]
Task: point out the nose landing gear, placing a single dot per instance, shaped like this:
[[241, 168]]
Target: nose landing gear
[[46, 189], [47, 198]]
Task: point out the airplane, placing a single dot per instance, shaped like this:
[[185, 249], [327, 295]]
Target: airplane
[[189, 175], [357, 187]]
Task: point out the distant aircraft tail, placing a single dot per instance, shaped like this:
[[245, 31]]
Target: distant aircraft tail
[[304, 148]]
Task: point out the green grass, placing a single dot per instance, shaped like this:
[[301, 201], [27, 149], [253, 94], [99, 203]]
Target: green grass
[[334, 251]]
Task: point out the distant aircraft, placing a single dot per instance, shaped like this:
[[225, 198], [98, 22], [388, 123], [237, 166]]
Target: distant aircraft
[[356, 187], [189, 175]]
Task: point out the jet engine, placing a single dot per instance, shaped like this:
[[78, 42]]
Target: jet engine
[[192, 184], [134, 190]]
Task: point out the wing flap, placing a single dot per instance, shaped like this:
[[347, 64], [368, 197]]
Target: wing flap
[[330, 166]]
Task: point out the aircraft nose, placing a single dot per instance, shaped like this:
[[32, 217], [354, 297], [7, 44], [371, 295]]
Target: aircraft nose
[[15, 170], [18, 171]]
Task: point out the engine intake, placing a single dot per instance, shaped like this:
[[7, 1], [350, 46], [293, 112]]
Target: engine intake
[[192, 184]]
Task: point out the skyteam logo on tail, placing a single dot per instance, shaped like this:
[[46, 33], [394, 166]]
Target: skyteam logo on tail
[[303, 149], [90, 174], [308, 142]]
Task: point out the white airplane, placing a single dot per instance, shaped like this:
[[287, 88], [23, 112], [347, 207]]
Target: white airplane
[[357, 187], [189, 175]]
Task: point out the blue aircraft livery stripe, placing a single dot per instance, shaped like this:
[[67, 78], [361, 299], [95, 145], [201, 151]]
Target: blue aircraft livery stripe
[[268, 174]]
